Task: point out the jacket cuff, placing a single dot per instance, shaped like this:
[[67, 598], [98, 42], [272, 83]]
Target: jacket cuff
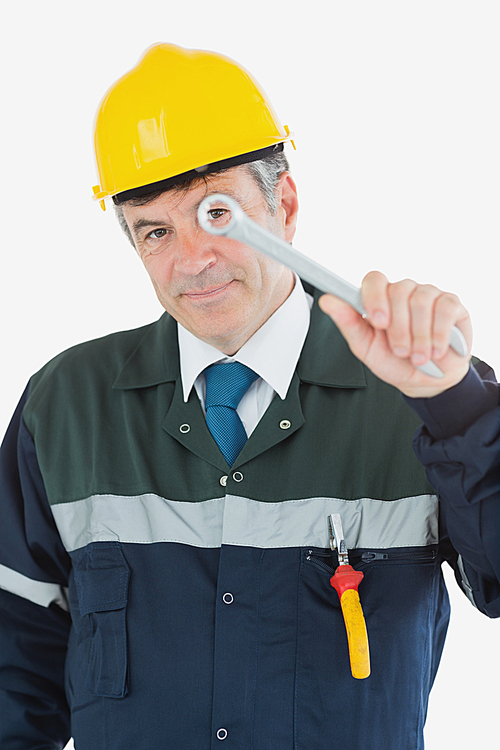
[[455, 410]]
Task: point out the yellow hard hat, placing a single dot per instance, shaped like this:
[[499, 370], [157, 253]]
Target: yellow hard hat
[[180, 110]]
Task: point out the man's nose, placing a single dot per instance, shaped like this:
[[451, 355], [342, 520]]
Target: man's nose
[[194, 252]]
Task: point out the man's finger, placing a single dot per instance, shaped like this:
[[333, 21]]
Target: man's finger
[[422, 303], [449, 311], [374, 290], [354, 329], [399, 332]]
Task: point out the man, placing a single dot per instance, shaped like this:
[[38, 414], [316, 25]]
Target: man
[[197, 562]]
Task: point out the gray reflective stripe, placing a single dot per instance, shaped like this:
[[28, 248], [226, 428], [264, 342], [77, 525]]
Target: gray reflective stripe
[[408, 522], [467, 588], [38, 592], [146, 519]]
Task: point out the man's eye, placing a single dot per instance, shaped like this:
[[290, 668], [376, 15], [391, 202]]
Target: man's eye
[[156, 234], [219, 214]]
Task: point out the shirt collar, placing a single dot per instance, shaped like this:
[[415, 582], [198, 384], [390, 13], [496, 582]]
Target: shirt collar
[[149, 356], [272, 352]]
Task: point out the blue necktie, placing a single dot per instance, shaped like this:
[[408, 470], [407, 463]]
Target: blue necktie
[[226, 386]]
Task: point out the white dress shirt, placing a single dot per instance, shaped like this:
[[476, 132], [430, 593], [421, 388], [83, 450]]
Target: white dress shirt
[[272, 352]]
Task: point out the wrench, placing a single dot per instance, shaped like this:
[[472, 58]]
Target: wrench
[[238, 226]]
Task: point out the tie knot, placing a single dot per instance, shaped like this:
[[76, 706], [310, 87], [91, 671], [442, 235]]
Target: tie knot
[[227, 383]]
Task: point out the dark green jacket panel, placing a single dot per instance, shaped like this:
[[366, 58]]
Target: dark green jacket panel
[[111, 413]]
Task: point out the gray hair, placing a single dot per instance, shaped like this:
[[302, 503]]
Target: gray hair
[[266, 173]]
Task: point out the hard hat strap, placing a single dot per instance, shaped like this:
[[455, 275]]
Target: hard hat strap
[[218, 166]]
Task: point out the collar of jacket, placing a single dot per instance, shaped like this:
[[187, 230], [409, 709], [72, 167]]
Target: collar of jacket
[[325, 360]]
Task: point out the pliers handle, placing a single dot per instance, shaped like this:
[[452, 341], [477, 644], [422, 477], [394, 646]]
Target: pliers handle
[[345, 582]]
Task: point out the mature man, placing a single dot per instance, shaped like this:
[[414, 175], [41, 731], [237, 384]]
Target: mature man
[[194, 562]]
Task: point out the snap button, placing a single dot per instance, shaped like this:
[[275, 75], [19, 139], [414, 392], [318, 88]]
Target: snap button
[[223, 480], [184, 428], [285, 424], [238, 476], [228, 598], [221, 734]]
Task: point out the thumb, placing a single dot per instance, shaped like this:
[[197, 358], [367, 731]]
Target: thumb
[[356, 331]]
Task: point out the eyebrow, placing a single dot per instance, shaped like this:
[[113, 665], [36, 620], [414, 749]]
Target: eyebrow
[[232, 193], [146, 224]]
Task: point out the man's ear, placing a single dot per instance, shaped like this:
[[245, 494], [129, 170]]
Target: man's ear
[[289, 204]]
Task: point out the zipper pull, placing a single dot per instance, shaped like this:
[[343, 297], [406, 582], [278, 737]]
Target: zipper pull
[[368, 557]]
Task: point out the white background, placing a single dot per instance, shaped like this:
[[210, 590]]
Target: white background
[[395, 111]]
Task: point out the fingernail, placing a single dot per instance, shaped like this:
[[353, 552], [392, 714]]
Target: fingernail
[[418, 359], [379, 317]]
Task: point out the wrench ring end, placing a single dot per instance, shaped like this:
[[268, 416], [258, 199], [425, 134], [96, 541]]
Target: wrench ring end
[[205, 207]]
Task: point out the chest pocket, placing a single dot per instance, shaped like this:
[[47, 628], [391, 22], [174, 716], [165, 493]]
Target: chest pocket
[[102, 578]]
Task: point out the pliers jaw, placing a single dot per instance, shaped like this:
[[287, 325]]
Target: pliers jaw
[[337, 541]]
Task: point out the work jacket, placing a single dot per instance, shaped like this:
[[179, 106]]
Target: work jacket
[[200, 611]]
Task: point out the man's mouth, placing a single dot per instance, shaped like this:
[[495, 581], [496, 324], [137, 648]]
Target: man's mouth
[[206, 293]]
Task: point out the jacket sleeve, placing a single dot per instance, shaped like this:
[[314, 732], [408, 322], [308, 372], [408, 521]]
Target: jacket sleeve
[[34, 622], [459, 445]]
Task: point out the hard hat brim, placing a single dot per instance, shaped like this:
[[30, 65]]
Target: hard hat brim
[[218, 166]]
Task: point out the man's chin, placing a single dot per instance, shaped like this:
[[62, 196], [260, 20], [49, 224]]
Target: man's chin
[[217, 333]]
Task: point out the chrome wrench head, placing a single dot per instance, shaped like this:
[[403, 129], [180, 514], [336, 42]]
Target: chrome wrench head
[[235, 212]]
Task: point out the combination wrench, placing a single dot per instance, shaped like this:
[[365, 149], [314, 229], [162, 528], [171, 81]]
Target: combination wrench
[[238, 226]]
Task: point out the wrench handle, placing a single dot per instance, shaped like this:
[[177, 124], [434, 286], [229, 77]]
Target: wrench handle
[[242, 228]]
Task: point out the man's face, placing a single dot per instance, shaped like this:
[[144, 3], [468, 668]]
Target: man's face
[[220, 290]]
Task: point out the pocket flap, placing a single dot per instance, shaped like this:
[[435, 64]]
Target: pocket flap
[[101, 578]]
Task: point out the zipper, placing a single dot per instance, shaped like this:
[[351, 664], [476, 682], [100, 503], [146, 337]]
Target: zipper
[[368, 557], [313, 557]]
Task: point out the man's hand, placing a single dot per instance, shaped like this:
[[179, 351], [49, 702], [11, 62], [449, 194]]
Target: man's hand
[[407, 325]]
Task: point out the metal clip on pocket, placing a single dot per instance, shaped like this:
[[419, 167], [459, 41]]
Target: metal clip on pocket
[[346, 581]]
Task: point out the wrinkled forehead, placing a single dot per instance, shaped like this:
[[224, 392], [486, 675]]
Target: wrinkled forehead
[[236, 182]]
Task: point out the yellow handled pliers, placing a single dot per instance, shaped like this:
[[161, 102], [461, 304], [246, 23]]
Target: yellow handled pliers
[[346, 581]]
